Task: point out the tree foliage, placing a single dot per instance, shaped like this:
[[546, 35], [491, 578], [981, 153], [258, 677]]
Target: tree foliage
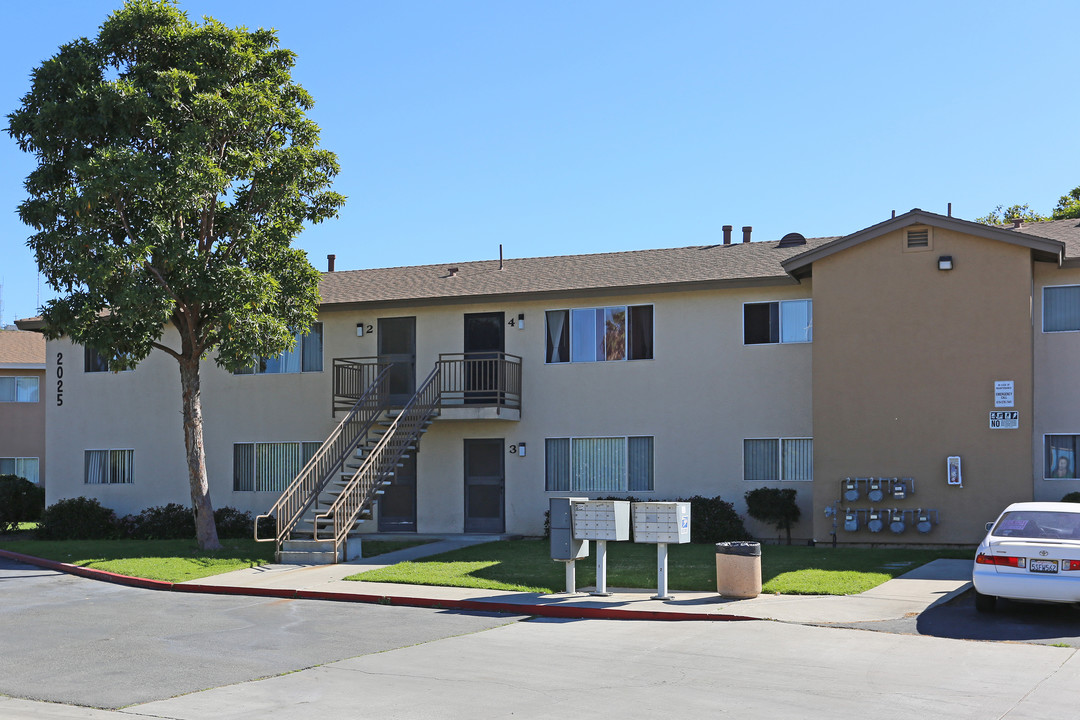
[[775, 506], [1068, 205], [175, 165], [1001, 215]]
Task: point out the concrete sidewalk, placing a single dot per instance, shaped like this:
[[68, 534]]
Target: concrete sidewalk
[[905, 596]]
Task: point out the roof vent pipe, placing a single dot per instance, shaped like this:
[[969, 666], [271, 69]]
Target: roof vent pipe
[[727, 234], [747, 229], [500, 256], [330, 262], [451, 272], [950, 209], [894, 213], [1018, 222]]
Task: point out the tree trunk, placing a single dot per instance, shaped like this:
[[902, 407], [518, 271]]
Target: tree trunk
[[205, 529]]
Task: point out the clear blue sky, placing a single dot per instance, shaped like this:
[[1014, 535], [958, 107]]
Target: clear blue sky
[[575, 127]]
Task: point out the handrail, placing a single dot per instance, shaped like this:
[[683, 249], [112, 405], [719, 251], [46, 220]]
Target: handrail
[[361, 488], [480, 379], [328, 460]]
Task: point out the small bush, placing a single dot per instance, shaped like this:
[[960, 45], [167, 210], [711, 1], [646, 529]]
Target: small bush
[[268, 527], [1071, 497], [163, 522], [20, 501], [714, 520], [78, 519], [775, 506], [231, 523]]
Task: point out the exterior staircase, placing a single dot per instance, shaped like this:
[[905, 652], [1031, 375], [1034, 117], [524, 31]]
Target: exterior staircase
[[338, 487]]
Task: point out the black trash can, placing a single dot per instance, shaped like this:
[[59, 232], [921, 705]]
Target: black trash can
[[738, 569]]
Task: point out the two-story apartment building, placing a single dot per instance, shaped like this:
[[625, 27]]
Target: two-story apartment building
[[893, 356], [22, 406]]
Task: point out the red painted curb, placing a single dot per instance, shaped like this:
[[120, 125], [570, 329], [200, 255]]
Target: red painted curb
[[532, 609]]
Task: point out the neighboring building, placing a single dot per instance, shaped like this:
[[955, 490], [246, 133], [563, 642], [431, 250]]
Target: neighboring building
[[661, 373], [22, 405]]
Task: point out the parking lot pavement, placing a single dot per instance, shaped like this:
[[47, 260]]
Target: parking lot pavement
[[72, 640]]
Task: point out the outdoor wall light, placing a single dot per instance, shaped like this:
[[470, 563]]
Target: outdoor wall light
[[944, 262], [521, 449], [359, 329], [521, 321]]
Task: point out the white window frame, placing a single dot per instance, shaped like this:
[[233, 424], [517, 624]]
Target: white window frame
[[625, 481], [780, 319], [17, 460], [779, 459], [1042, 311], [17, 379], [108, 466], [569, 330]]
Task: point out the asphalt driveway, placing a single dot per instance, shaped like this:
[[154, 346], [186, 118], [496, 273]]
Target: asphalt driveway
[[72, 640]]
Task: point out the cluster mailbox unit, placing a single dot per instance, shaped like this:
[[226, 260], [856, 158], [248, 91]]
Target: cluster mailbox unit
[[662, 523], [576, 521], [601, 520]]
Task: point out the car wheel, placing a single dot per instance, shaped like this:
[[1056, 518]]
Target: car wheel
[[984, 603]]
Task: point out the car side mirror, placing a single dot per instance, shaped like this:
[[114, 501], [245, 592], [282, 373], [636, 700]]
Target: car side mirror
[[989, 526]]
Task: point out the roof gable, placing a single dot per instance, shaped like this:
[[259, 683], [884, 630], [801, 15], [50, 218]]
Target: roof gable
[[1045, 248]]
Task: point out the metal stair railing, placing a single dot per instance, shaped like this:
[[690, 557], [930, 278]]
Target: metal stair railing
[[328, 461], [381, 460]]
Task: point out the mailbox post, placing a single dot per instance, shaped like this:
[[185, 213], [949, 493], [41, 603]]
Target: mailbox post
[[662, 523], [564, 547], [601, 520]]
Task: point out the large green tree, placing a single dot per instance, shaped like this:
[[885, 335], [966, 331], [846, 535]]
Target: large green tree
[[175, 166]]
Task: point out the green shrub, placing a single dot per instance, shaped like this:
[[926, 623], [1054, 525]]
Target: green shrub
[[163, 522], [1071, 497], [231, 523], [714, 520], [78, 519], [775, 506], [20, 501]]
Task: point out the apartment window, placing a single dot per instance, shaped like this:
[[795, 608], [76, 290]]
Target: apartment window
[[306, 356], [778, 459], [1061, 308], [599, 464], [269, 466], [23, 467], [601, 334], [784, 321], [1060, 456], [19, 389], [109, 467]]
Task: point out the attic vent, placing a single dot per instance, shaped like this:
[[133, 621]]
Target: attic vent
[[918, 238], [791, 240]]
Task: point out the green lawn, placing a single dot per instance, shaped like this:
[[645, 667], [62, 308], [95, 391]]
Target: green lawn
[[170, 560], [526, 566]]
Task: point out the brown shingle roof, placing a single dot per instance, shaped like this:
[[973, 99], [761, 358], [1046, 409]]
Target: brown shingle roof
[[638, 270], [21, 348], [1066, 231]]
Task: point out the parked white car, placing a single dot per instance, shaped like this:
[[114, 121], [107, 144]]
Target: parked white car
[[1031, 553]]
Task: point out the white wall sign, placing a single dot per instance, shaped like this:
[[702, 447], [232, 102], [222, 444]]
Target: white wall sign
[[1004, 419], [1004, 395]]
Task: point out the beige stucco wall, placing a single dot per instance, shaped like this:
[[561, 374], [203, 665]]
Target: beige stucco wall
[[1057, 392], [22, 425], [905, 360], [701, 395]]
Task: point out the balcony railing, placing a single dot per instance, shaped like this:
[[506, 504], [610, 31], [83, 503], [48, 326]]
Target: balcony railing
[[487, 379], [466, 380]]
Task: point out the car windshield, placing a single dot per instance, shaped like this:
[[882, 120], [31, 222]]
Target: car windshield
[[1038, 524]]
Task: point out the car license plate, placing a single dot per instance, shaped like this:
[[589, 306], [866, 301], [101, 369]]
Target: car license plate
[[1043, 566]]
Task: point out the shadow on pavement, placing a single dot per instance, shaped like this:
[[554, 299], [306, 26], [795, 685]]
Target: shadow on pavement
[[1018, 622]]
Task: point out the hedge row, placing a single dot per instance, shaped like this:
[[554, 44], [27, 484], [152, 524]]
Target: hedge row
[[85, 519]]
